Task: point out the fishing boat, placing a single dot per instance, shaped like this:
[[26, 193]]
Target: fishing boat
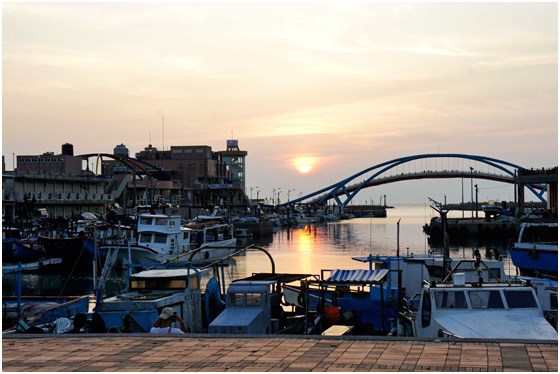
[[536, 250], [162, 238], [148, 292], [372, 297], [30, 266], [254, 306], [41, 310], [478, 310]]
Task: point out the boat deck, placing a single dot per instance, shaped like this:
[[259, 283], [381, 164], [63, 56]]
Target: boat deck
[[197, 352]]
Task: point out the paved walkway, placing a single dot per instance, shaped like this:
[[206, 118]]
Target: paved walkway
[[144, 352]]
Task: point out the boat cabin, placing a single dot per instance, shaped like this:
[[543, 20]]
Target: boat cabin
[[248, 310], [148, 293], [480, 311]]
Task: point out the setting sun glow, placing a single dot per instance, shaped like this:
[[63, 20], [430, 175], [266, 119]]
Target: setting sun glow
[[304, 164]]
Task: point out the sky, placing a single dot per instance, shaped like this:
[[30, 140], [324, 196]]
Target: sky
[[315, 92]]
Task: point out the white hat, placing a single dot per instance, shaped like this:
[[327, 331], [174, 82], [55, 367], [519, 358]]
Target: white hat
[[166, 313], [62, 325]]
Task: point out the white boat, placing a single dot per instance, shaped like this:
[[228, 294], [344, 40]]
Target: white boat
[[478, 310], [161, 238], [303, 219]]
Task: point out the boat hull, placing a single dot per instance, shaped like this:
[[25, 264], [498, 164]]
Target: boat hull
[[531, 259]]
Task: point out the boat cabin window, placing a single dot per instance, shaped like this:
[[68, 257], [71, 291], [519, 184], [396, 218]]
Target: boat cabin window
[[520, 299], [236, 299], [145, 221], [540, 234], [160, 238], [486, 299], [254, 299], [144, 238], [161, 221], [495, 273], [450, 300], [158, 284], [426, 311]]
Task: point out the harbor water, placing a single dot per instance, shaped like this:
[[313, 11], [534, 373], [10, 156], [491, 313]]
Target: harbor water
[[303, 249]]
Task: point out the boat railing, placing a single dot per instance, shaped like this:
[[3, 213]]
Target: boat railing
[[447, 334]]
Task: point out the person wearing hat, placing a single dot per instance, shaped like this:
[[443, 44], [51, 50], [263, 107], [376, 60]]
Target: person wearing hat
[[162, 325]]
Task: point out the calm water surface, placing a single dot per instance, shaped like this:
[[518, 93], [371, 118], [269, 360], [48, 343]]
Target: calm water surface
[[306, 249]]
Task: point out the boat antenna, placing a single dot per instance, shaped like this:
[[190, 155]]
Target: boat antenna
[[163, 132]]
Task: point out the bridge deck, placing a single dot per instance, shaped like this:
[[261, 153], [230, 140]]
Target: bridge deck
[[143, 352]]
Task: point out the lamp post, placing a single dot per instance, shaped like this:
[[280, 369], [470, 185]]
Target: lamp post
[[290, 190], [252, 188], [462, 196], [472, 198], [476, 194]]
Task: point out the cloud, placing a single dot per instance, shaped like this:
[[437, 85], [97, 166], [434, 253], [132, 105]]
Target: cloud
[[508, 62]]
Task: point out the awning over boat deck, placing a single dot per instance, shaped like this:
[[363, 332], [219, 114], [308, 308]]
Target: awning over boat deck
[[282, 277], [357, 276]]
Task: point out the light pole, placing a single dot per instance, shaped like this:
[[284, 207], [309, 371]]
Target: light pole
[[462, 196], [252, 188], [476, 207], [472, 198], [290, 190]]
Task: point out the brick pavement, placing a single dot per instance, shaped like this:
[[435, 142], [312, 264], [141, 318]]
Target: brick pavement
[[144, 352]]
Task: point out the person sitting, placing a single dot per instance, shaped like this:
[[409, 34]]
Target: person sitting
[[162, 325], [97, 324], [80, 321]]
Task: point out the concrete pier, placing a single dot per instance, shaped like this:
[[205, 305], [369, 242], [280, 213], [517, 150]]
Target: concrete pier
[[198, 352]]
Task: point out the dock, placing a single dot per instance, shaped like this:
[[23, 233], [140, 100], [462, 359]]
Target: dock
[[220, 353]]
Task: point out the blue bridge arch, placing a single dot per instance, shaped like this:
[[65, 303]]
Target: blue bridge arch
[[344, 191]]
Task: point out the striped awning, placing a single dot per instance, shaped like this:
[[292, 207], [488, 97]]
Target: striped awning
[[357, 276]]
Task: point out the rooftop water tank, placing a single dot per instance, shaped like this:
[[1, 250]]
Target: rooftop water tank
[[68, 149], [120, 150]]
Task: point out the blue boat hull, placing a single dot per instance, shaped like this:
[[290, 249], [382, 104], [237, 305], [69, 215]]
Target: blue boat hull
[[530, 262]]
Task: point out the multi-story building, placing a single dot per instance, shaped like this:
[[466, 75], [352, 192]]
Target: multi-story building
[[52, 183], [187, 176], [233, 159]]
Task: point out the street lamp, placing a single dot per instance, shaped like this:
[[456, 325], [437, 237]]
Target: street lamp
[[476, 207], [278, 201], [252, 188], [462, 196], [290, 190], [472, 198]]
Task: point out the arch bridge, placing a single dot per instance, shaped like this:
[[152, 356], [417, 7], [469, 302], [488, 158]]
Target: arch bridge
[[424, 166]]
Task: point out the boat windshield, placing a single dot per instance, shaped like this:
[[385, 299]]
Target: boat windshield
[[540, 234], [158, 284], [520, 299], [145, 221], [450, 300], [486, 299]]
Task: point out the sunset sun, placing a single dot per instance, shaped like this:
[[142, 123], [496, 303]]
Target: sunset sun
[[304, 164]]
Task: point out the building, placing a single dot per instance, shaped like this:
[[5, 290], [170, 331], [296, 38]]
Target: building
[[53, 184], [50, 164], [234, 161], [183, 176]]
